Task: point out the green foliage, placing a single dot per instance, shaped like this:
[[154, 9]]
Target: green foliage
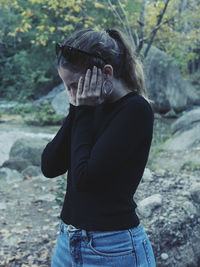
[[22, 109], [30, 29], [22, 75], [190, 166], [45, 116]]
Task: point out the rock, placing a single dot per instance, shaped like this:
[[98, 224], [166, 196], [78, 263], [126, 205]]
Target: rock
[[164, 256], [53, 93], [3, 206], [9, 176], [170, 114], [166, 86], [187, 120], [28, 148], [147, 205], [195, 193], [18, 164], [47, 197], [4, 104], [61, 103], [58, 98], [147, 175], [189, 208], [184, 140], [31, 171]]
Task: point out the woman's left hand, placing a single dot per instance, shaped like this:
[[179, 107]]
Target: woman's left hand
[[90, 92]]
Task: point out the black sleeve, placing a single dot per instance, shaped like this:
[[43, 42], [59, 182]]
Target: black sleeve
[[93, 166], [55, 158]]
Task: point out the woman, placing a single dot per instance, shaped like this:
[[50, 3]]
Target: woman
[[103, 145]]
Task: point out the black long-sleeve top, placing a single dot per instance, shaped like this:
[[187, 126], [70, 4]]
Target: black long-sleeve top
[[104, 150]]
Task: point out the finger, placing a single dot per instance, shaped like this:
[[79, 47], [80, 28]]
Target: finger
[[99, 82], [87, 81], [80, 86], [93, 79]]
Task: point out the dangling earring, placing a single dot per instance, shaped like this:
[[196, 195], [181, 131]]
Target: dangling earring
[[107, 87]]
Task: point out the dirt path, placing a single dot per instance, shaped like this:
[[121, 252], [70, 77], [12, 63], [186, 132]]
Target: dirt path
[[29, 222]]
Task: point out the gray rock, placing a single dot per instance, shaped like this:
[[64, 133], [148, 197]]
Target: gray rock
[[187, 120], [29, 148], [189, 208], [164, 256], [3, 206], [147, 205], [166, 86], [46, 98], [184, 140], [147, 175], [31, 171], [170, 114], [47, 197], [9, 176], [195, 193], [58, 98], [18, 164], [61, 103]]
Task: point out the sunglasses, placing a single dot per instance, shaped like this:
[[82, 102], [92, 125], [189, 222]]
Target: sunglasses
[[71, 53]]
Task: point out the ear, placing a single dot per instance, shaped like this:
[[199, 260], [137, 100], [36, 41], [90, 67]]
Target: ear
[[108, 71]]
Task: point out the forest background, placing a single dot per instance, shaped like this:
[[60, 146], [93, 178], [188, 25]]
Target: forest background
[[31, 28]]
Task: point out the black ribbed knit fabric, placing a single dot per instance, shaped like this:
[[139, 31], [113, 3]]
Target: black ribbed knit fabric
[[105, 150]]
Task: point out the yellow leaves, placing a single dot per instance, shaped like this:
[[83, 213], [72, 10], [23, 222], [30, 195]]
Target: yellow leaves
[[24, 28], [37, 1], [27, 26], [26, 13], [97, 5], [41, 27], [76, 8], [52, 29]]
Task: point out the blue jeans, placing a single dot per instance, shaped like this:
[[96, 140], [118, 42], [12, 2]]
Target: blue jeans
[[83, 248]]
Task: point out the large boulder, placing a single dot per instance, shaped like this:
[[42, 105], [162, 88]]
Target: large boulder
[[16, 163], [182, 149], [187, 120], [29, 148], [165, 84], [60, 103]]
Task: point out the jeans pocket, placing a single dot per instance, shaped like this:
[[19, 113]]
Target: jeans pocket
[[148, 252], [111, 243]]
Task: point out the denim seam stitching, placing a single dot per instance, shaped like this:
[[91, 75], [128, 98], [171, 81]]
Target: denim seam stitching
[[144, 243], [133, 241]]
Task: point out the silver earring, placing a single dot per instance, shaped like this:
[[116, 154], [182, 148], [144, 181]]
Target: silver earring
[[107, 87]]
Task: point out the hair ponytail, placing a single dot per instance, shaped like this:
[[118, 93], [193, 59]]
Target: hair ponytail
[[132, 72]]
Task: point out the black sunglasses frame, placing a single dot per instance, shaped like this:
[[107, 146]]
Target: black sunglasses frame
[[67, 51]]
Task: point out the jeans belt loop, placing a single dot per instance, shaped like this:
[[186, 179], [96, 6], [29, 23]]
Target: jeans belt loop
[[72, 228]]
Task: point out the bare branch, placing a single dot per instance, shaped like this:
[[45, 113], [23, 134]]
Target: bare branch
[[160, 16], [117, 15], [128, 25], [157, 28], [142, 24]]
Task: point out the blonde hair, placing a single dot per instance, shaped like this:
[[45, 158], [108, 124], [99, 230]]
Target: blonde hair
[[114, 47]]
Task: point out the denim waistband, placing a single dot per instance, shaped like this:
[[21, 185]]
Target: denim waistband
[[68, 227]]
